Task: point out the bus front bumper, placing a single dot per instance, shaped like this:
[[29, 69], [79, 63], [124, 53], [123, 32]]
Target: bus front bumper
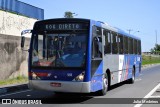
[[75, 87]]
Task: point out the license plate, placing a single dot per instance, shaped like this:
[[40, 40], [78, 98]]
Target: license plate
[[53, 84]]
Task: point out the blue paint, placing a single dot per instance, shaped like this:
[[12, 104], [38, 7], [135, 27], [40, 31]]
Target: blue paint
[[22, 8], [129, 61], [88, 68], [59, 75], [96, 80]]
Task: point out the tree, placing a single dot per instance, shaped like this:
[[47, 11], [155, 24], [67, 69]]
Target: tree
[[156, 49], [68, 14]]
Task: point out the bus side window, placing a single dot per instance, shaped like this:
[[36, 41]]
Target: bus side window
[[107, 47], [135, 46], [120, 41], [139, 47], [114, 43], [125, 45], [97, 43], [130, 45]]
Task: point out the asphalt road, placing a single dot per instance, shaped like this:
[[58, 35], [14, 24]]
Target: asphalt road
[[147, 85]]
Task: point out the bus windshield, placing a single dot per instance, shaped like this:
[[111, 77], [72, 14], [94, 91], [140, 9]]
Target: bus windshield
[[59, 50]]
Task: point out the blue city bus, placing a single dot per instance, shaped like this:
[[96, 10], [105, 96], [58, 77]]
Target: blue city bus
[[81, 56]]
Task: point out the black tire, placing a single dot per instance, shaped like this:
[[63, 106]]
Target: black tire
[[59, 93], [105, 85], [132, 80]]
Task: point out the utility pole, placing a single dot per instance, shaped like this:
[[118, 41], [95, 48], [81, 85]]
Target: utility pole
[[156, 42], [136, 32], [156, 36], [129, 30]]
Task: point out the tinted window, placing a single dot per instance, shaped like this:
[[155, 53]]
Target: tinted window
[[139, 47], [97, 42], [135, 46], [120, 40], [114, 43], [130, 42], [59, 50], [107, 37], [125, 45]]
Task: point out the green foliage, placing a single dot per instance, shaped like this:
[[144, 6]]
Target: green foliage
[[156, 49], [17, 80], [150, 59], [68, 14]]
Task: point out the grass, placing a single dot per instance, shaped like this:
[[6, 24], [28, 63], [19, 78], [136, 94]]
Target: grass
[[150, 60], [18, 80]]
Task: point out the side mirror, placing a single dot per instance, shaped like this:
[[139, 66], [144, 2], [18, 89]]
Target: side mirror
[[24, 34], [22, 41]]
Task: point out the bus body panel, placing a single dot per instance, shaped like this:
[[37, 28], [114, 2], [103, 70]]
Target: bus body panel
[[87, 77], [56, 75], [96, 75], [96, 65], [111, 63], [66, 86], [120, 66], [138, 65]]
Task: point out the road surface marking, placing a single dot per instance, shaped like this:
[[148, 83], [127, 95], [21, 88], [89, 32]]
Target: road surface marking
[[154, 97], [139, 79], [148, 95], [14, 93]]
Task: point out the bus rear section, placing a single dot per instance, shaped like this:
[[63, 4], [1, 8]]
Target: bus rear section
[[58, 56]]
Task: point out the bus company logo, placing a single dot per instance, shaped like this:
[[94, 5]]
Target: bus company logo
[[69, 74], [55, 76]]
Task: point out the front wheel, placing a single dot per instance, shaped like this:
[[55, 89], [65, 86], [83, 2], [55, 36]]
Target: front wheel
[[105, 85]]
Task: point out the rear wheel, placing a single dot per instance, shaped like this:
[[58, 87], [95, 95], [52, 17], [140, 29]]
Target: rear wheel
[[133, 77], [105, 85]]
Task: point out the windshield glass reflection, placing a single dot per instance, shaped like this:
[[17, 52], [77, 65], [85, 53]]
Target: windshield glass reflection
[[59, 50]]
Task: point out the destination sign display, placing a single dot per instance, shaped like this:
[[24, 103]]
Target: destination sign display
[[65, 26]]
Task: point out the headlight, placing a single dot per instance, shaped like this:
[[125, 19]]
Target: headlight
[[39, 75], [80, 77], [34, 76]]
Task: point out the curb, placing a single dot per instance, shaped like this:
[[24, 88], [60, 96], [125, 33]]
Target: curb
[[20, 87], [13, 88], [149, 65]]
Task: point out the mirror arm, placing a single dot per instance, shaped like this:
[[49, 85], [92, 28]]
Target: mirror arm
[[26, 50]]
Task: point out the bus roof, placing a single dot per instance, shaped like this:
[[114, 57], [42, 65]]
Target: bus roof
[[114, 29], [93, 22], [63, 20]]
